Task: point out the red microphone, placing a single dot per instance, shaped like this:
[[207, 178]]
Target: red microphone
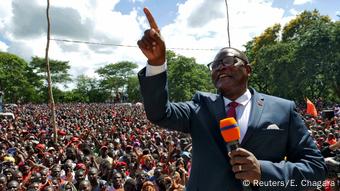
[[230, 132]]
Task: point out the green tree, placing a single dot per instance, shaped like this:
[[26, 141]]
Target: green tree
[[302, 23], [335, 54], [262, 70], [59, 70], [88, 90], [114, 77], [305, 62], [133, 90], [15, 79], [186, 77], [316, 53]]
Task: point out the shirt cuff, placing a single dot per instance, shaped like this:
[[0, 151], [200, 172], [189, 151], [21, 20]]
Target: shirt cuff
[[154, 70]]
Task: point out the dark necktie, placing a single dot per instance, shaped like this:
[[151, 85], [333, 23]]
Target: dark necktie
[[232, 109]]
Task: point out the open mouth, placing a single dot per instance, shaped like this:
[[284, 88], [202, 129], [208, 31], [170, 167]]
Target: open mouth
[[224, 76]]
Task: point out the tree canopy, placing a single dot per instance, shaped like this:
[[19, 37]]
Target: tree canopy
[[59, 69], [186, 77], [16, 78], [304, 62]]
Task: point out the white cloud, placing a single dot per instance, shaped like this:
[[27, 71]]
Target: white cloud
[[247, 18], [293, 11], [3, 47], [87, 20], [199, 24], [301, 2], [134, 1]]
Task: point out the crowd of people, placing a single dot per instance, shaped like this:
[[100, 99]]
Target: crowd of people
[[99, 147], [109, 147]]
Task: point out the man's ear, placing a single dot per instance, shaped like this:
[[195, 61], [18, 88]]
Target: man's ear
[[248, 69]]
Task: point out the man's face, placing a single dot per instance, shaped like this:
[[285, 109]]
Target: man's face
[[117, 180], [56, 172], [49, 161], [85, 186], [13, 185], [34, 186], [104, 152], [44, 175], [93, 175], [36, 177], [230, 80], [8, 174], [18, 176], [80, 175], [141, 178], [3, 183], [87, 161]]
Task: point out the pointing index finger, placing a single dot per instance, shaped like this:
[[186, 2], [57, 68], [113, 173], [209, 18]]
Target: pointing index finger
[[151, 20]]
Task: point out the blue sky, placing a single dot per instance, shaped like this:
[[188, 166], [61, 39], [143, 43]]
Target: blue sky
[[195, 24], [165, 10]]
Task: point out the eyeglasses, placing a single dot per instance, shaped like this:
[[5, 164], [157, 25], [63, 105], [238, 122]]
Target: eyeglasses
[[226, 61]]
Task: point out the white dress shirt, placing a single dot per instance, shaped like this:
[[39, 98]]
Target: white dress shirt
[[242, 110]]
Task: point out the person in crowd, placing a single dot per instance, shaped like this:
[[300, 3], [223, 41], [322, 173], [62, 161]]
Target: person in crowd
[[118, 181], [3, 182], [96, 183], [79, 177], [85, 185], [130, 185], [148, 186], [13, 185]]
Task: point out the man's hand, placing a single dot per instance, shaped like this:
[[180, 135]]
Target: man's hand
[[245, 165], [152, 44]]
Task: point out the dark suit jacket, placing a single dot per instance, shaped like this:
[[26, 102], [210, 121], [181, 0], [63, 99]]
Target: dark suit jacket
[[211, 170]]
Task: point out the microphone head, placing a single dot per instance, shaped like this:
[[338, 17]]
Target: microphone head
[[230, 130]]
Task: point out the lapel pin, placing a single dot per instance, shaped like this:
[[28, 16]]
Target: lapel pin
[[260, 102]]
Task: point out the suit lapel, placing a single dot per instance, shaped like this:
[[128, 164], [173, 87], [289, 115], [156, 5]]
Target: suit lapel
[[217, 109], [257, 105]]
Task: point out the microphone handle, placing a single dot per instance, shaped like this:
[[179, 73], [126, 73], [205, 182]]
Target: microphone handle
[[231, 146]]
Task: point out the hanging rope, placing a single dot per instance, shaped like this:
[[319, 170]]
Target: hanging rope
[[226, 4], [128, 46]]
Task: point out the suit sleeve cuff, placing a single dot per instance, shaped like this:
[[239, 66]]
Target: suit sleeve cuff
[[154, 70], [266, 170]]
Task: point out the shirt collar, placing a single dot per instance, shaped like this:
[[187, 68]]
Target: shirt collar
[[242, 100]]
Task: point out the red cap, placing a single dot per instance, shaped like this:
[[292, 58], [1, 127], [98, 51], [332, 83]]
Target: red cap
[[40, 146], [61, 132], [229, 129], [80, 166], [74, 139], [121, 163]]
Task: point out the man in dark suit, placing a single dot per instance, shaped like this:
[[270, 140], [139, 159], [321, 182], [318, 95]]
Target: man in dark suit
[[277, 152]]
